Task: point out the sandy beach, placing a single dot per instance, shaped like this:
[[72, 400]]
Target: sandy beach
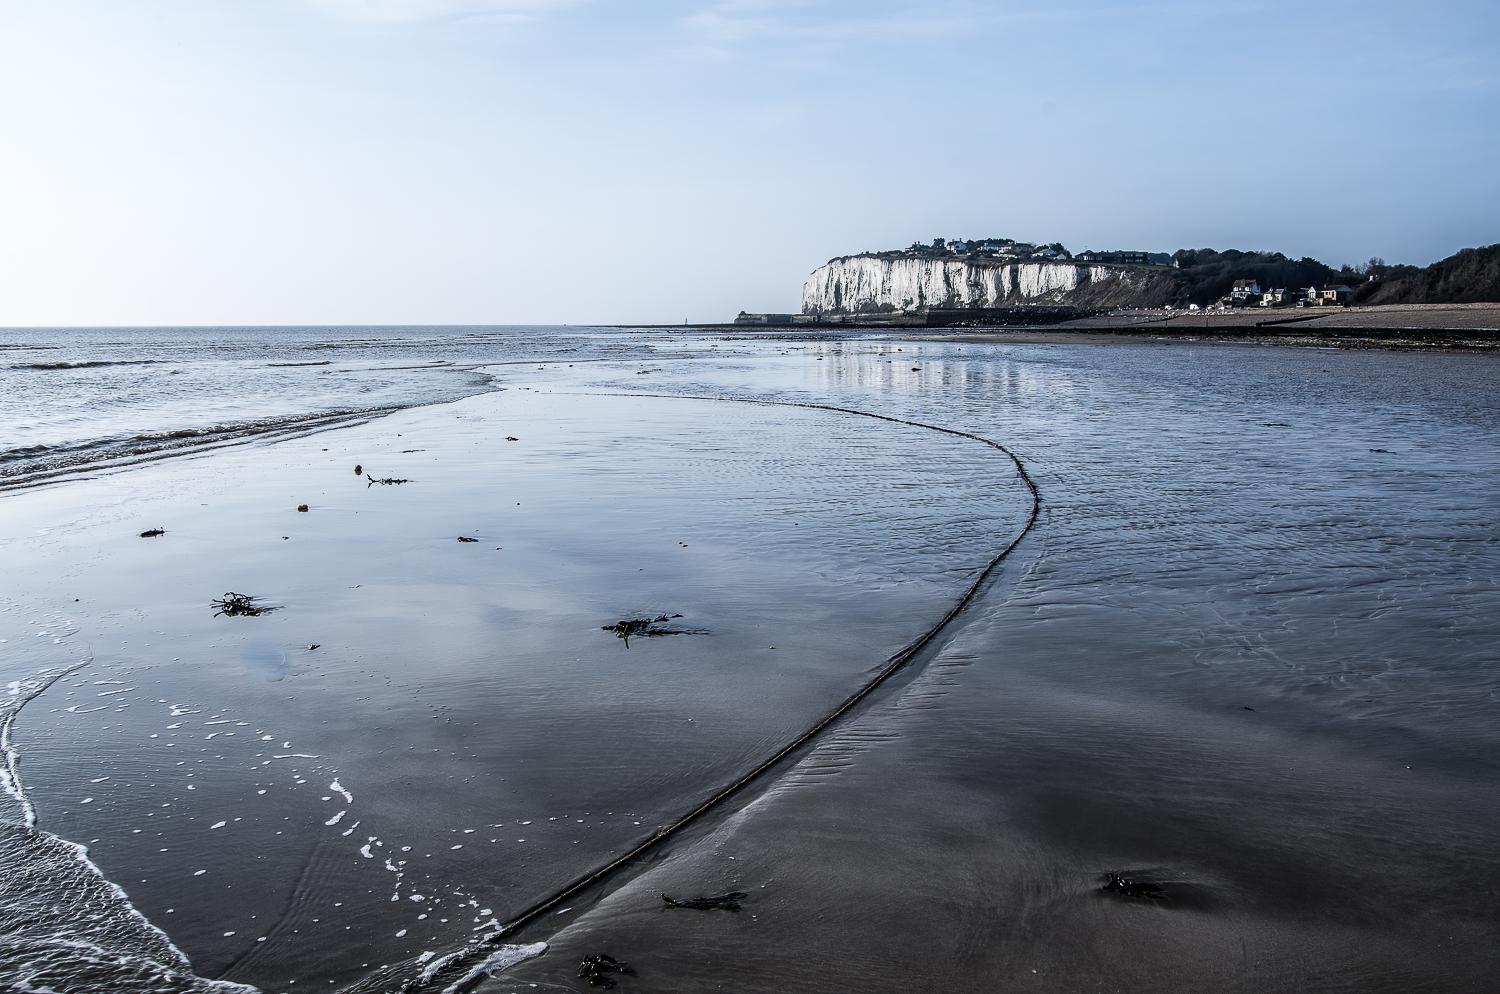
[[1395, 327], [1244, 661]]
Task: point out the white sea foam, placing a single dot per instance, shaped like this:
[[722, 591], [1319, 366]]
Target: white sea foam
[[21, 692], [432, 967], [503, 959], [61, 917]]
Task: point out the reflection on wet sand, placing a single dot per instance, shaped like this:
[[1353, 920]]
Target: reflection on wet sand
[[1251, 668]]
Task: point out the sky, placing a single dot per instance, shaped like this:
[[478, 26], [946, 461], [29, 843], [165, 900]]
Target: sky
[[179, 162]]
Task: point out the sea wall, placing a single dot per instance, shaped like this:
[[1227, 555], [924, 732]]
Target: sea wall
[[864, 284]]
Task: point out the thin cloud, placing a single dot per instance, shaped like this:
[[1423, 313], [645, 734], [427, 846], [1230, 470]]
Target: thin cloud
[[732, 23], [418, 11]]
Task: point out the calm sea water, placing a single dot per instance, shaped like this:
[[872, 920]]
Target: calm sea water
[[78, 396], [1249, 653]]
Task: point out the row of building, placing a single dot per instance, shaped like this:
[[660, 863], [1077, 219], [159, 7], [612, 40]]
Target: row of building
[[1248, 293], [1010, 250], [1127, 258]]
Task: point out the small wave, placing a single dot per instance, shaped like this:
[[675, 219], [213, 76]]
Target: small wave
[[65, 928], [87, 364], [28, 465], [22, 692]]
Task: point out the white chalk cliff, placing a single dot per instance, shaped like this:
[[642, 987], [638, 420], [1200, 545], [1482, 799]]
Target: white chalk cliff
[[863, 284]]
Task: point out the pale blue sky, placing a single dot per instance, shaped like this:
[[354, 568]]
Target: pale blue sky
[[515, 161]]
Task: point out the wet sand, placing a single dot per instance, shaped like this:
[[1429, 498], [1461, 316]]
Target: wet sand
[[1247, 656], [1251, 661], [465, 736]]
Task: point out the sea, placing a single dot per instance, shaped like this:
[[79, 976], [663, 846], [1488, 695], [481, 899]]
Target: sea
[[91, 396], [948, 664]]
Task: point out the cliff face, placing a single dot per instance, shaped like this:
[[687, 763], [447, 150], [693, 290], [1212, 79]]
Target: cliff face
[[865, 284]]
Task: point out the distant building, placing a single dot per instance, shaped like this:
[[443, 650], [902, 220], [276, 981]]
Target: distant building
[[1275, 298], [1245, 293], [1328, 296], [1126, 258], [745, 317], [1010, 249]]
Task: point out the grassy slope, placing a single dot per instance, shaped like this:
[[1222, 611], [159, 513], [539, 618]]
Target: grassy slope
[[1468, 277]]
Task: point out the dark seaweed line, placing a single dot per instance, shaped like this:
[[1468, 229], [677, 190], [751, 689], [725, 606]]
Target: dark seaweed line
[[894, 665]]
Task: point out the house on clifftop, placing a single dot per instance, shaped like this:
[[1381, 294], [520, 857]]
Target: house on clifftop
[[1244, 292], [1126, 258]]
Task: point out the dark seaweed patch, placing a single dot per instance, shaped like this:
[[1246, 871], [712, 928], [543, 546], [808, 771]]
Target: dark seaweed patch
[[596, 969], [1119, 885], [233, 605], [718, 902], [647, 628]]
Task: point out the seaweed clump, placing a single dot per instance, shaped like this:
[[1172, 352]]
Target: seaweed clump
[[1140, 890], [153, 532], [384, 481], [596, 969], [644, 628], [233, 605], [719, 902]]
